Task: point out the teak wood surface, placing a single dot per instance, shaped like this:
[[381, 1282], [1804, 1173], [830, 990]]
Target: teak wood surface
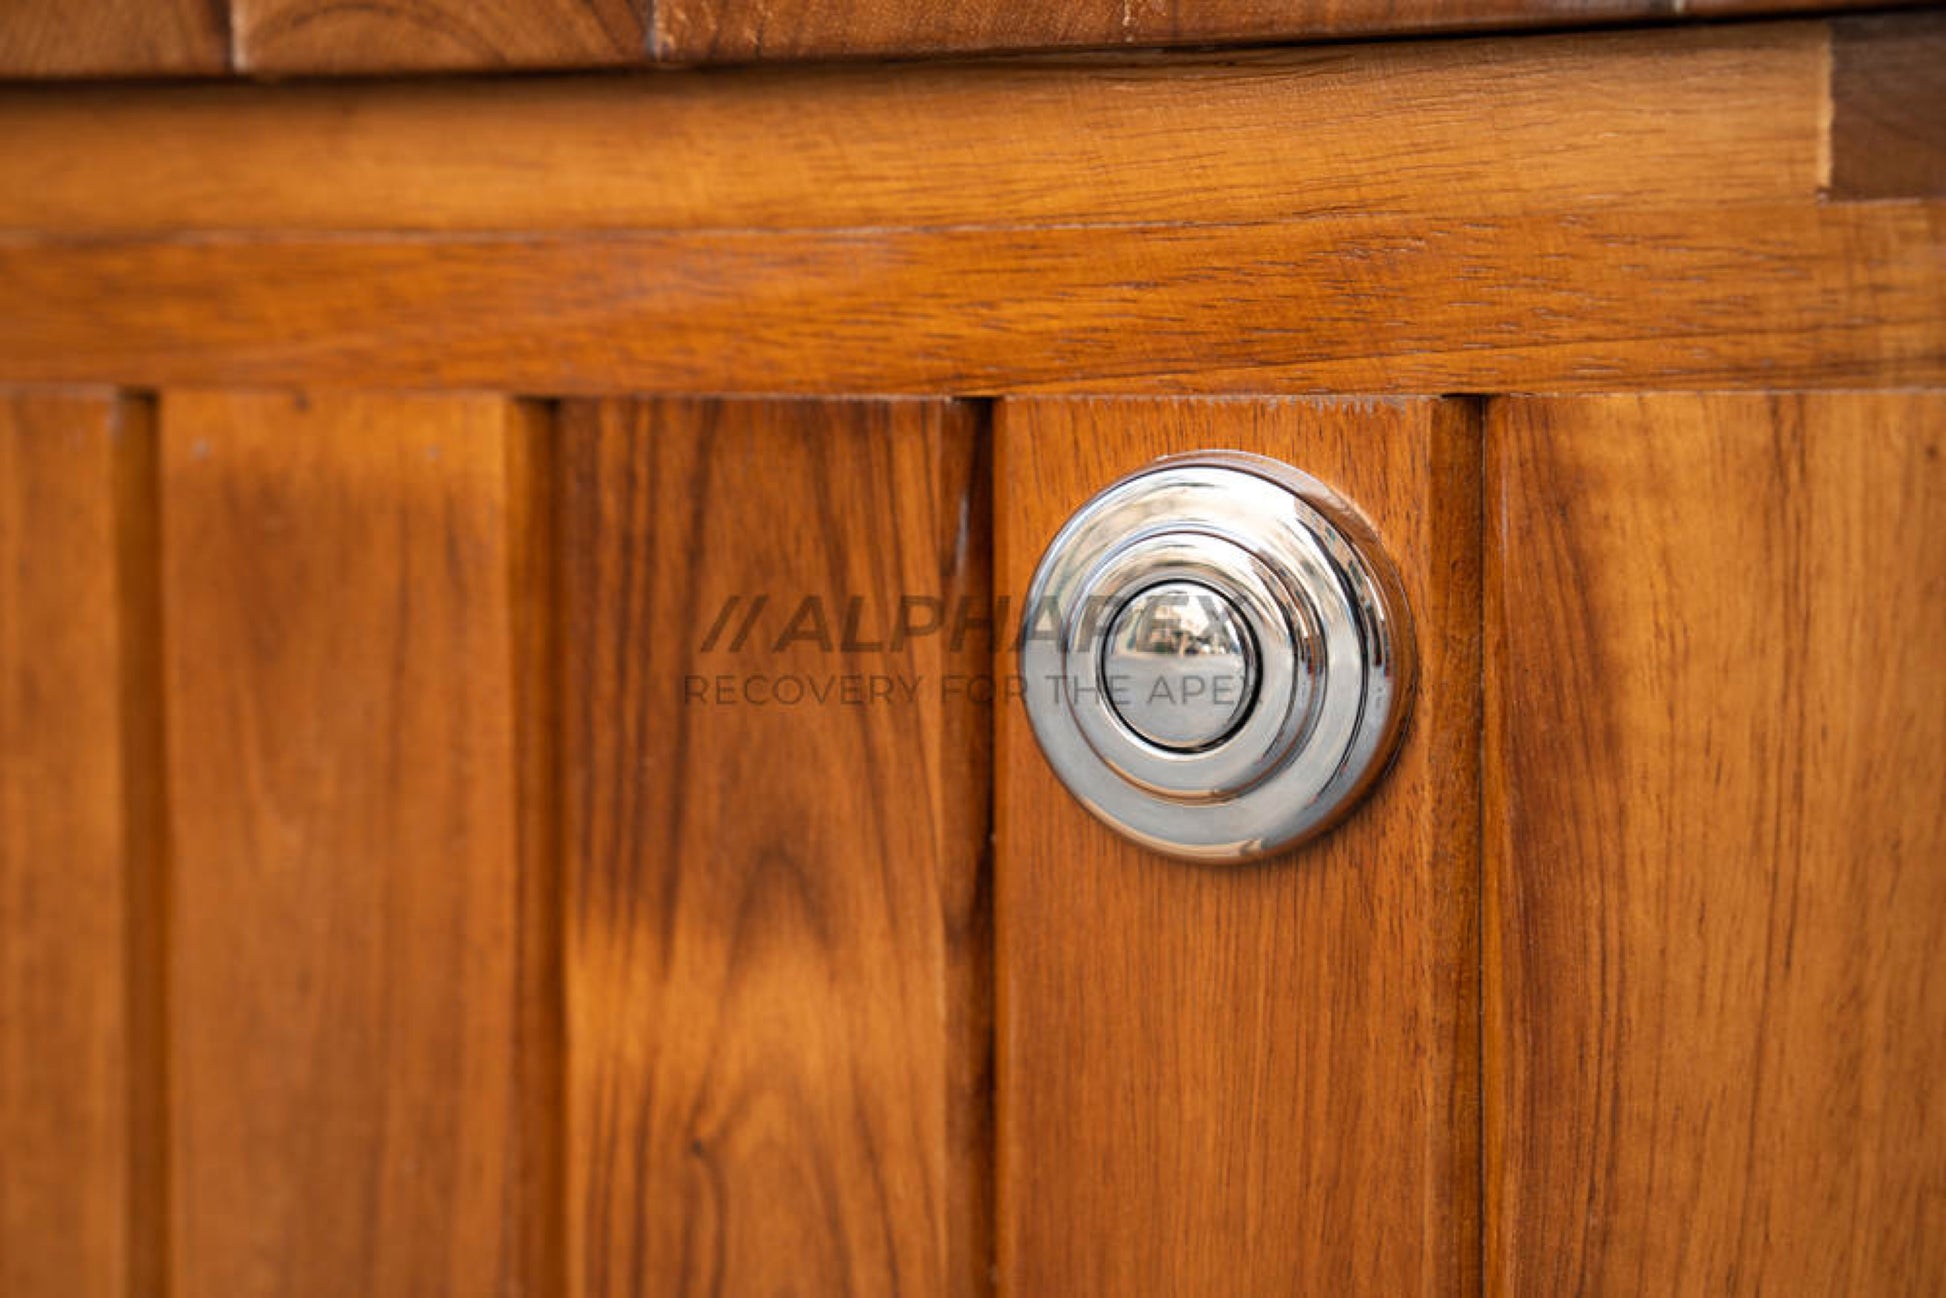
[[76, 855], [1256, 1079], [348, 944], [777, 955], [55, 39], [1716, 847], [70, 38], [330, 36], [1648, 209], [410, 880], [733, 31]]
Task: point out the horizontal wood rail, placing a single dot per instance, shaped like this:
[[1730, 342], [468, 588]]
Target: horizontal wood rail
[[92, 38], [1555, 213]]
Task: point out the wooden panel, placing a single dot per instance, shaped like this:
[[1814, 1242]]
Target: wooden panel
[[1716, 793], [1669, 233], [1262, 1079], [98, 38], [1640, 121], [777, 946], [1846, 295], [693, 31], [329, 36], [66, 1072], [347, 977], [1888, 126], [69, 38]]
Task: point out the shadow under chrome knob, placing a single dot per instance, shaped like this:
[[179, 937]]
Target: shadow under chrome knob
[[1216, 657]]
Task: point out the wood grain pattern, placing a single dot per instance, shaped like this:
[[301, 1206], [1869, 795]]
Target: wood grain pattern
[[1262, 1079], [1845, 295], [701, 31], [1716, 794], [777, 965], [347, 986], [88, 38], [104, 38], [1646, 121], [68, 1065], [1888, 107], [344, 36], [1647, 215]]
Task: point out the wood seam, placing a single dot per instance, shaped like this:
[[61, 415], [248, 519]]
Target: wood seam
[[146, 856]]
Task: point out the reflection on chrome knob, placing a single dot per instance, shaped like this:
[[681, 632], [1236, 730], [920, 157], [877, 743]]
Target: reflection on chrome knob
[[1180, 666], [1216, 657]]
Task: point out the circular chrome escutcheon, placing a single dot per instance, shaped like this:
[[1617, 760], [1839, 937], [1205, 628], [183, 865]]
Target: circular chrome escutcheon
[[1216, 657]]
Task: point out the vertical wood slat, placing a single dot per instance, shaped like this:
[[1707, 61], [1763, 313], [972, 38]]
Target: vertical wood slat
[[72, 940], [778, 1034], [1258, 1079], [1716, 844], [350, 1005]]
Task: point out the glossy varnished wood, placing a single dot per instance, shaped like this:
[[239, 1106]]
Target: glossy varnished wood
[[69, 1070], [147, 38], [52, 39], [1716, 793], [777, 940], [1837, 296], [693, 31], [1647, 121], [1257, 1079], [1684, 246], [350, 1111], [329, 36]]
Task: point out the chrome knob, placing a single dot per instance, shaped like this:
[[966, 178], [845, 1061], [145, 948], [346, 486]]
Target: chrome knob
[[1216, 657], [1179, 665]]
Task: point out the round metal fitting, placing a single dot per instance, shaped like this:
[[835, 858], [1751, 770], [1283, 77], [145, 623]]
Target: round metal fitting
[[1180, 665], [1216, 657]]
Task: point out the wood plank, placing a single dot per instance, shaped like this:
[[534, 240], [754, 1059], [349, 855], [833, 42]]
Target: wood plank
[[1260, 1079], [325, 36], [1888, 107], [1645, 214], [777, 946], [1844, 295], [95, 38], [1716, 777], [347, 978], [735, 31], [68, 1066], [1618, 121], [106, 38]]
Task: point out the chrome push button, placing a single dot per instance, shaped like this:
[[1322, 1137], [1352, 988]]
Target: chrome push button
[[1179, 666], [1217, 659]]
